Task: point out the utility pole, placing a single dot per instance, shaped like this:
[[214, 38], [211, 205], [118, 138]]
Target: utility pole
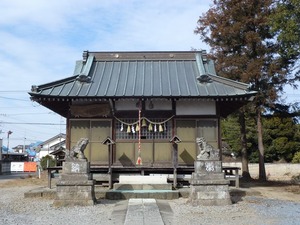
[[0, 149], [8, 134], [24, 146]]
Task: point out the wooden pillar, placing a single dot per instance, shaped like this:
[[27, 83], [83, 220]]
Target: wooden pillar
[[109, 142], [175, 164], [175, 140]]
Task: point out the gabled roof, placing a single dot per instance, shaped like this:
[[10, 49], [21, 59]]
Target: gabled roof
[[58, 136], [142, 74], [114, 75]]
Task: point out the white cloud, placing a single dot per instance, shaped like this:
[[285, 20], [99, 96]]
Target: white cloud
[[42, 39]]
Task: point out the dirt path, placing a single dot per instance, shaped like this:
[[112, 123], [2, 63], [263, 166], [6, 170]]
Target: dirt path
[[279, 193], [273, 190]]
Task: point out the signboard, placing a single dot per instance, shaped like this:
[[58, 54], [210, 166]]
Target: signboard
[[17, 167]]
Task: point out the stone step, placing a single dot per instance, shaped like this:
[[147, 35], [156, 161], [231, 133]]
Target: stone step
[[119, 186], [142, 183], [139, 179], [103, 193], [128, 194]]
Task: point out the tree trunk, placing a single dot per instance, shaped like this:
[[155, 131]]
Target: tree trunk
[[262, 170], [244, 152]]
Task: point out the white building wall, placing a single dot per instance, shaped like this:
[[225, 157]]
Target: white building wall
[[46, 149], [195, 107], [274, 171]]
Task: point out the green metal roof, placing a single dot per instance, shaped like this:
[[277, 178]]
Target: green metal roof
[[143, 74]]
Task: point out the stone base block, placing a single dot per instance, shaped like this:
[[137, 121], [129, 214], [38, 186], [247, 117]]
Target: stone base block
[[76, 167], [70, 193], [209, 182], [209, 195], [208, 176], [208, 166], [76, 177], [74, 182]]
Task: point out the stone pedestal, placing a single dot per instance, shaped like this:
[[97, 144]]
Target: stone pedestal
[[208, 184], [76, 186]]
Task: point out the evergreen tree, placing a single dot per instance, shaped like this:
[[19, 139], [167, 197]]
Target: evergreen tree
[[281, 138], [285, 23], [246, 49]]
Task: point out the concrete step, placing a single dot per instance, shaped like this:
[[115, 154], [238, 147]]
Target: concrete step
[[119, 186], [128, 194], [105, 193]]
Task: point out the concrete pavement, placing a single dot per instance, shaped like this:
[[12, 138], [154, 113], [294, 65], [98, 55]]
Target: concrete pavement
[[143, 211]]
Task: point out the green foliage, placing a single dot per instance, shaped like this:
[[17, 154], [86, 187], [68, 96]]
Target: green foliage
[[47, 160], [281, 138], [230, 128], [285, 23], [249, 47], [296, 158], [231, 133]]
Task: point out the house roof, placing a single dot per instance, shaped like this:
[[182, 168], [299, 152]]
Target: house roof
[[58, 136], [142, 74], [115, 75]]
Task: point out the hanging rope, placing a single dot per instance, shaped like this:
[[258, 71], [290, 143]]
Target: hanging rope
[[139, 159], [143, 118]]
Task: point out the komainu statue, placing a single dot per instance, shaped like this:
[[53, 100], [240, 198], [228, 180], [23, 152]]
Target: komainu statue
[[77, 151], [207, 152]]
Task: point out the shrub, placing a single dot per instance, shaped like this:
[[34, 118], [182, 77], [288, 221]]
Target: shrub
[[296, 158], [47, 160]]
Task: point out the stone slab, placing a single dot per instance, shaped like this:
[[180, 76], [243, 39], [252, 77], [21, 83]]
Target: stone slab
[[136, 179], [143, 211], [120, 186], [126, 194]]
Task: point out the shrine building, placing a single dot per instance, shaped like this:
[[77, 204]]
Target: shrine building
[[140, 102]]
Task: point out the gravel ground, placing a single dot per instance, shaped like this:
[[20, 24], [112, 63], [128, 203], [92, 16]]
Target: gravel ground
[[252, 210], [15, 209]]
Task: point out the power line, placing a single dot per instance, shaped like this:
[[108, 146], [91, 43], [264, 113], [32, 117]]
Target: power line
[[16, 99], [21, 114], [33, 123], [9, 91]]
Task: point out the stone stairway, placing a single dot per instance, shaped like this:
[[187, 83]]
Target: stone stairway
[[137, 186]]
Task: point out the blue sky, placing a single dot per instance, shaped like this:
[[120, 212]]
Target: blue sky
[[42, 39]]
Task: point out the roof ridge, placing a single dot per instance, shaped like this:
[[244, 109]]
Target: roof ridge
[[228, 81]]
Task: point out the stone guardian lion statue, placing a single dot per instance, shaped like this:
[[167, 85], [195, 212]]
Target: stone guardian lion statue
[[77, 151], [206, 151]]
